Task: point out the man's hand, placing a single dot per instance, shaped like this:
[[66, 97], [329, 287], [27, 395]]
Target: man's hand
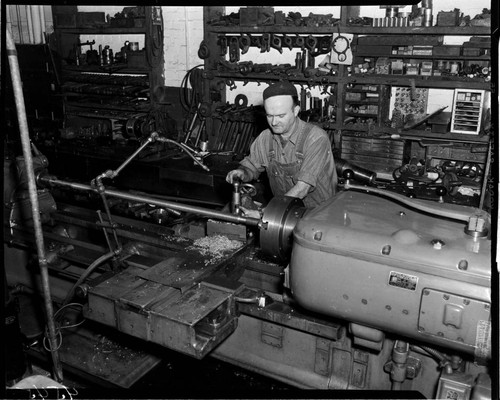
[[236, 174]]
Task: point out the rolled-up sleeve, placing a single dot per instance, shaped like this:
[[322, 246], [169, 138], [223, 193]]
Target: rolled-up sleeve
[[256, 162], [317, 158]]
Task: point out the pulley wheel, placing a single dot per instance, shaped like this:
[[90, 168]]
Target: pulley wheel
[[280, 217]]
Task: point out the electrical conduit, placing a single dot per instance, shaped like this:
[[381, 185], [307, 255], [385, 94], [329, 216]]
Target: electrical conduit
[[42, 260]]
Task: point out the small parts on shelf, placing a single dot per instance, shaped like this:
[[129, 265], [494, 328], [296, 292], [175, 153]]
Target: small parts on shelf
[[240, 44], [129, 17], [264, 16], [302, 69], [423, 16], [360, 21]]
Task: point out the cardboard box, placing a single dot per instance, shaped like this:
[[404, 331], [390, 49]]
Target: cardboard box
[[448, 18], [65, 20], [397, 67], [446, 50], [471, 51], [90, 19], [404, 40]]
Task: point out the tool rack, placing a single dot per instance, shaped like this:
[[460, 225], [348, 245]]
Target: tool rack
[[226, 37]]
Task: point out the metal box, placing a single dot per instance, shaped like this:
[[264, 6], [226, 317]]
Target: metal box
[[192, 320], [375, 262]]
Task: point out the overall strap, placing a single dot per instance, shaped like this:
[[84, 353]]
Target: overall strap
[[299, 150], [272, 153]]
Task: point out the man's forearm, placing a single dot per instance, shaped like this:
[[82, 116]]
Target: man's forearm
[[300, 190]]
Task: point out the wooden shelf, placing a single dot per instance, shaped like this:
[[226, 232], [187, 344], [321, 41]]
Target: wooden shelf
[[439, 82], [258, 77], [360, 115], [105, 30], [355, 29], [414, 134], [113, 69], [485, 57]]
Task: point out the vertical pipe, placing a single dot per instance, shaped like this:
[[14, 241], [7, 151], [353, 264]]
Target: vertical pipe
[[42, 260], [187, 36], [8, 24], [19, 25], [29, 20], [42, 23], [37, 31]]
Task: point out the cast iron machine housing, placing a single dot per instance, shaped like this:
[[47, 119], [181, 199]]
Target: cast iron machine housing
[[386, 280]]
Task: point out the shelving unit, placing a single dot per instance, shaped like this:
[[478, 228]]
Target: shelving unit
[[356, 112], [112, 99]]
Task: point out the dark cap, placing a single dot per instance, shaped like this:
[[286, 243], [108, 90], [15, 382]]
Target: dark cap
[[280, 89]]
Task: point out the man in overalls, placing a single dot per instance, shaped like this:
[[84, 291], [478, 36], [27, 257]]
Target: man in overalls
[[297, 155]]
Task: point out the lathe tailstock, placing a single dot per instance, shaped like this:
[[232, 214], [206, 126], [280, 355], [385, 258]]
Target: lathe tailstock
[[366, 292]]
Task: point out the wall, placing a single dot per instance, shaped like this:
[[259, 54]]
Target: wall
[[17, 21]]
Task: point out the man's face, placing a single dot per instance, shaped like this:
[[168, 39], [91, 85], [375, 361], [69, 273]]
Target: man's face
[[281, 113]]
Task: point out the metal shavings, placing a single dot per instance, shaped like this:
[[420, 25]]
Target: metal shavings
[[215, 247], [173, 238]]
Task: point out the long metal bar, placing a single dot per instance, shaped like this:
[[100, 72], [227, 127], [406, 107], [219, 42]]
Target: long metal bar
[[37, 225], [49, 180], [485, 177]]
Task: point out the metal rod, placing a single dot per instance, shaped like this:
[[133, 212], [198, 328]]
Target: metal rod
[[37, 225], [114, 174], [110, 218], [485, 177], [190, 129], [157, 202], [105, 231]]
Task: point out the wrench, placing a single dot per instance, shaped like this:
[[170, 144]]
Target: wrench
[[300, 42], [287, 41], [223, 45], [265, 43], [276, 43], [234, 49]]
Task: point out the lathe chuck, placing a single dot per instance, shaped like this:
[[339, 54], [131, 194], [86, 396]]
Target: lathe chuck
[[279, 219]]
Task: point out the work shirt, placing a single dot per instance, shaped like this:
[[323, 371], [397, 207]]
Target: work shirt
[[306, 156]]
